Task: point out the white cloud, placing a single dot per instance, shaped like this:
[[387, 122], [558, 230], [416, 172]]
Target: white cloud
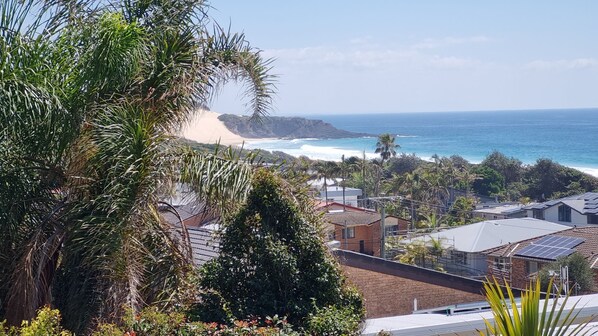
[[449, 41], [573, 64], [373, 56]]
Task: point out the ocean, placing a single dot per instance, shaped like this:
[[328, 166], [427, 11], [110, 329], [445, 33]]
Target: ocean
[[567, 136]]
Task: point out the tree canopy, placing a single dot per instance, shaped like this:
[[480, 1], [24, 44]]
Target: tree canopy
[[273, 261], [90, 97]]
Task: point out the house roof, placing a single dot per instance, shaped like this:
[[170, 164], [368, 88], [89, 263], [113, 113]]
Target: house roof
[[588, 248], [352, 218], [501, 209], [485, 235], [205, 244], [188, 211], [585, 204]]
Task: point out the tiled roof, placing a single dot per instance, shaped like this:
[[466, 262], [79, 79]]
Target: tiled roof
[[352, 218], [585, 204], [588, 249]]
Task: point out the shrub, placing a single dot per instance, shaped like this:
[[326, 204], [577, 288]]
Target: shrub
[[273, 261], [46, 323], [333, 321]]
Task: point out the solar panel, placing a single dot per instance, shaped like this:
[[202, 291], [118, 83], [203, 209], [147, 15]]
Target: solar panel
[[544, 252], [559, 241]]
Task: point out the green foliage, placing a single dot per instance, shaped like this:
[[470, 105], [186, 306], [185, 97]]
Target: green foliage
[[151, 322], [386, 146], [511, 169], [580, 272], [531, 319], [90, 95], [333, 321], [272, 261], [489, 183], [47, 323], [423, 253], [548, 179], [461, 212]]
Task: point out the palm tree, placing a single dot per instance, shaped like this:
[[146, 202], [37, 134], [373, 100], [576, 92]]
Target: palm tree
[[325, 170], [386, 146], [89, 100]]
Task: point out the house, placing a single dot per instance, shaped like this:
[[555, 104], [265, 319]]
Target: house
[[465, 245], [358, 229], [577, 210], [390, 288], [499, 211], [201, 226], [335, 194], [519, 262]]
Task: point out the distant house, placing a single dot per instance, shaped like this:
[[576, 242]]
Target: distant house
[[519, 262], [578, 210], [391, 288], [499, 211], [335, 194], [358, 229], [465, 245]]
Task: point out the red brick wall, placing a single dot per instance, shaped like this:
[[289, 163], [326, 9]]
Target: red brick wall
[[370, 234], [388, 295]]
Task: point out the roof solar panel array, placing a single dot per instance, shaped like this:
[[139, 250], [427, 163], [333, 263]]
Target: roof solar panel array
[[550, 247], [559, 241]]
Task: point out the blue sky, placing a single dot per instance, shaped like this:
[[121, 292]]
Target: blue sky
[[389, 56]]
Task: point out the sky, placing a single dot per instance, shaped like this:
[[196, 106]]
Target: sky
[[390, 56]]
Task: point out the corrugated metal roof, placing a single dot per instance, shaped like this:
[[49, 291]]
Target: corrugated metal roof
[[205, 245], [485, 235], [585, 203]]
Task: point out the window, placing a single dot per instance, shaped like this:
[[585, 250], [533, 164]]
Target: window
[[349, 233], [592, 219], [500, 263], [538, 214], [564, 213], [532, 267], [459, 257]]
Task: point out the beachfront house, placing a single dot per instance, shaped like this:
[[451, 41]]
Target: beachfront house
[[337, 194], [519, 262], [358, 229], [577, 210], [465, 246]]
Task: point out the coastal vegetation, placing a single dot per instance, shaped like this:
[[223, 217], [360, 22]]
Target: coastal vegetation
[[91, 94], [446, 189]]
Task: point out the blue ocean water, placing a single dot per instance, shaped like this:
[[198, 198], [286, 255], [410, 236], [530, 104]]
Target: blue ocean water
[[567, 136]]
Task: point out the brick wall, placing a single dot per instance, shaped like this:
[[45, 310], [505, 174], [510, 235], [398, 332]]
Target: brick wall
[[388, 295], [515, 271], [370, 234], [389, 288]]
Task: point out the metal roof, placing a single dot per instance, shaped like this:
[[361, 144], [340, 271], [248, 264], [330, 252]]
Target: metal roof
[[489, 234], [585, 204]]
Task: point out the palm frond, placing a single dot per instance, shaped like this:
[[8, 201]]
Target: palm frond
[[220, 182], [228, 56]]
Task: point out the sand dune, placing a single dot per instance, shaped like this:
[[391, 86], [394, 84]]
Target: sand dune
[[206, 128]]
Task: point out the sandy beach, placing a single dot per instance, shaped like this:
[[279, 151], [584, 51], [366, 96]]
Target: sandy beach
[[206, 128]]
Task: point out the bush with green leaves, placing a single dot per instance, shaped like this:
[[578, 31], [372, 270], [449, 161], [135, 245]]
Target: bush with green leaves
[[580, 272], [46, 323], [273, 261], [333, 321]]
